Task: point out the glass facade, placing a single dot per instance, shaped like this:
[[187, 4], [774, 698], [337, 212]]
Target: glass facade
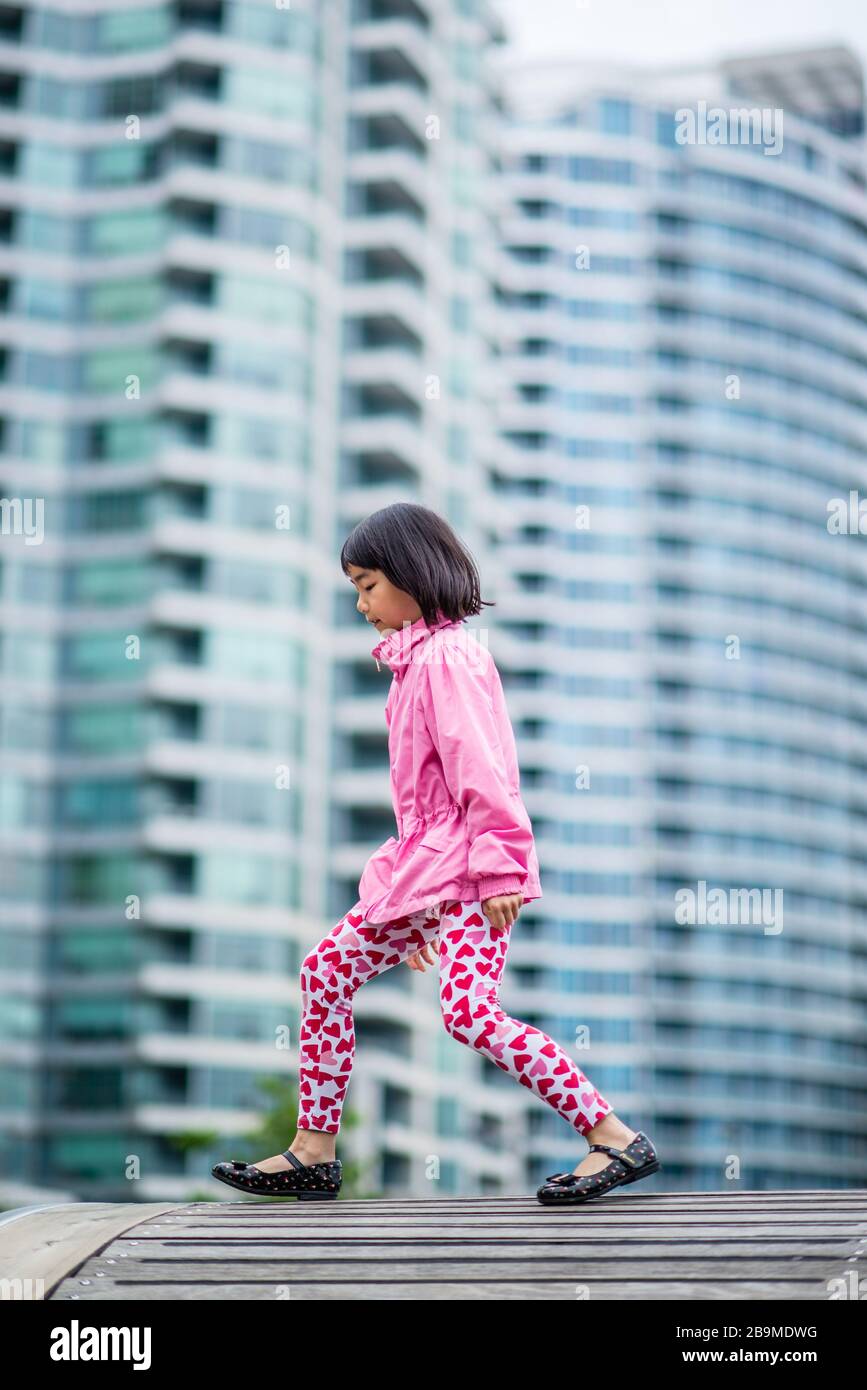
[[218, 263], [700, 310]]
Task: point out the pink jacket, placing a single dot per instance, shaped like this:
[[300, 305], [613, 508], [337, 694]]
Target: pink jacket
[[463, 830]]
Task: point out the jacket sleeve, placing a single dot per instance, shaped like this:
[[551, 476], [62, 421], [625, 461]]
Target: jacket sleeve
[[460, 717]]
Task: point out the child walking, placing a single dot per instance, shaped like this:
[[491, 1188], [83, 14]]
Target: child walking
[[449, 886]]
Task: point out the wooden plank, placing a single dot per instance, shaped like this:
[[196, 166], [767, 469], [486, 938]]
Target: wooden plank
[[349, 1238], [737, 1290], [559, 1222], [411, 1230], [419, 1267]]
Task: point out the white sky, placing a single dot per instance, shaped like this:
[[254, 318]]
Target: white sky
[[680, 31]]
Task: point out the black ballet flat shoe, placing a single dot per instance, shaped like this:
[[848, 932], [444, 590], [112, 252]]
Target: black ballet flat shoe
[[638, 1160], [309, 1182]]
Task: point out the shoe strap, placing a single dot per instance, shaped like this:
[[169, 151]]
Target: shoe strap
[[287, 1153], [615, 1153]]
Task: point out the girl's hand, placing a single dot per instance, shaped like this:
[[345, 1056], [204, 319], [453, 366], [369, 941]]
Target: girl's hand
[[503, 911], [427, 952]]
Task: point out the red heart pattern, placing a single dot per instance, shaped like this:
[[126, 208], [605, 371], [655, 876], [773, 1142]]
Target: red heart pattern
[[472, 957]]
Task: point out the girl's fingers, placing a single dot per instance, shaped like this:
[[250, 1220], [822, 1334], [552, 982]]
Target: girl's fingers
[[502, 915], [416, 960]]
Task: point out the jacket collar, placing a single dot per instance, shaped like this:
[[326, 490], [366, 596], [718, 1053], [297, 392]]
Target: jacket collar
[[396, 648]]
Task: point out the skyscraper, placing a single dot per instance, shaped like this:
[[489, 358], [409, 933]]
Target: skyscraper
[[682, 397], [243, 307]]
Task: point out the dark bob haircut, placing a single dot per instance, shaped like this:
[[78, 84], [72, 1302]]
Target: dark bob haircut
[[417, 551]]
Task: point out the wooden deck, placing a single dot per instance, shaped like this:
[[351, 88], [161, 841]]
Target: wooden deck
[[676, 1246]]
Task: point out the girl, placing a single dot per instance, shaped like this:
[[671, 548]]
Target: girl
[[449, 887]]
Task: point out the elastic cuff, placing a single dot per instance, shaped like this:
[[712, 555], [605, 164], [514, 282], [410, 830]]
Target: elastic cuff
[[497, 887]]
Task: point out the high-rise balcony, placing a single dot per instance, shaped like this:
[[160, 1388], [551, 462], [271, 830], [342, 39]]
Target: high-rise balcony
[[372, 242], [382, 197], [389, 54], [386, 369], [374, 332], [378, 14], [385, 400], [391, 119]]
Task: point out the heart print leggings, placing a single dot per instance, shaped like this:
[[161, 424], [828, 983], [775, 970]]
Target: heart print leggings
[[472, 955]]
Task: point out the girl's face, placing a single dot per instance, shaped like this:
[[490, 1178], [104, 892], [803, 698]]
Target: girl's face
[[385, 607]]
